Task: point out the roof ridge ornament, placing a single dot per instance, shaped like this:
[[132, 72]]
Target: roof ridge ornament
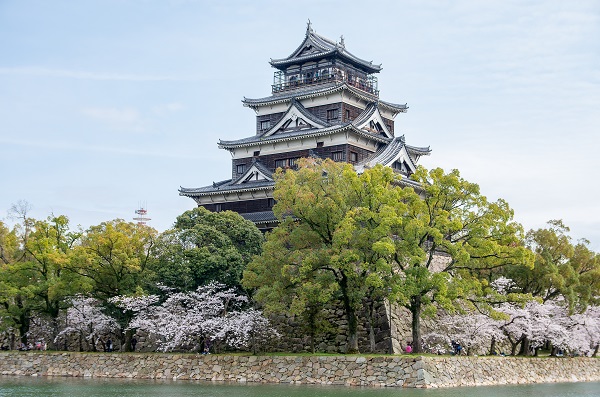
[[308, 27], [342, 44]]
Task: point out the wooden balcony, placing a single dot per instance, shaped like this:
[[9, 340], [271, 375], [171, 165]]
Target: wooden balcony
[[283, 82]]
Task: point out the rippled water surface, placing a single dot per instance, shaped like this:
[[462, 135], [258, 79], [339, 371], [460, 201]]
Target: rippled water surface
[[76, 387]]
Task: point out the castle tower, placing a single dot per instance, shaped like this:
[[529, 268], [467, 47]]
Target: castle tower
[[324, 102]]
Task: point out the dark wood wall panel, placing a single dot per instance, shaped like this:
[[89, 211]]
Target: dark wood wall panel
[[243, 207]]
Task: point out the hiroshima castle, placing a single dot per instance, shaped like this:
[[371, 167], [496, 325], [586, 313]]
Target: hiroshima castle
[[324, 103]]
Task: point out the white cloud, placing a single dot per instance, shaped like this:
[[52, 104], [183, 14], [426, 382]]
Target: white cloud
[[121, 119], [85, 75], [167, 108]]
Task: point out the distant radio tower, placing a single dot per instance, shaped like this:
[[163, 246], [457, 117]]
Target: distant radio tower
[[141, 218]]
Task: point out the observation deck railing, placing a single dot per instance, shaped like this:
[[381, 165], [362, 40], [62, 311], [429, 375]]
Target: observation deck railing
[[283, 82]]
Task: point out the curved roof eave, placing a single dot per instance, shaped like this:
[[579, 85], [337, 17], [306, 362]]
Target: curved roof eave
[[273, 100], [420, 151], [341, 53], [326, 47], [228, 145], [224, 191]]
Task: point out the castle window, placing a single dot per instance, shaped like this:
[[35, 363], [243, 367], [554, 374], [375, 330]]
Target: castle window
[[332, 114], [286, 163], [218, 208], [240, 168], [257, 153], [265, 124], [347, 114], [338, 156], [319, 144], [353, 157], [271, 202]]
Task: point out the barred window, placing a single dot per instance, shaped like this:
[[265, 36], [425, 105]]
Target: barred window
[[338, 156], [265, 124]]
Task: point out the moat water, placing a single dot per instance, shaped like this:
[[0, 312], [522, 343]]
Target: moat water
[[77, 387]]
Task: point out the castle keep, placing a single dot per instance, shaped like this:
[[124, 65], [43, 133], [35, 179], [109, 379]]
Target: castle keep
[[324, 103]]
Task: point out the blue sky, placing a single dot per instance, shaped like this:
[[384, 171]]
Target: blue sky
[[108, 104]]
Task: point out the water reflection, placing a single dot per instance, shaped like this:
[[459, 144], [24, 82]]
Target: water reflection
[[77, 387]]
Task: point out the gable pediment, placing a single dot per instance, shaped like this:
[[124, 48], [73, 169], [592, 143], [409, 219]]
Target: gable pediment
[[402, 162], [307, 50], [295, 118], [254, 174], [372, 122]]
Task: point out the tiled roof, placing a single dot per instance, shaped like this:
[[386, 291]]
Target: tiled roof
[[368, 112], [307, 115], [260, 217], [259, 166], [324, 47], [321, 90], [293, 135], [418, 151], [228, 187], [386, 154]]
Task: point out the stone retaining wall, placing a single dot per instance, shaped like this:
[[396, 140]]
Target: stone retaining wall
[[400, 371]]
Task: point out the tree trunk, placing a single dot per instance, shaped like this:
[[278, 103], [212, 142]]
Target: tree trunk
[[126, 340], [23, 322], [311, 320], [352, 344], [415, 309], [493, 347], [513, 345], [371, 325], [55, 328], [524, 346], [595, 354]]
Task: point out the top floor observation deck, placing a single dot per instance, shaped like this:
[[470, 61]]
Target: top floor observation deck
[[286, 81]]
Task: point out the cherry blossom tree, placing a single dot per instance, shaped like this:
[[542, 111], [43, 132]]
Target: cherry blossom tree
[[188, 321], [474, 331], [586, 328], [86, 322]]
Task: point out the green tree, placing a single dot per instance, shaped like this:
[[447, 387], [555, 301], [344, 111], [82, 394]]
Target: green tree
[[34, 278], [281, 287], [561, 268], [45, 268], [114, 258], [377, 240], [13, 314], [339, 240], [452, 237], [205, 246]]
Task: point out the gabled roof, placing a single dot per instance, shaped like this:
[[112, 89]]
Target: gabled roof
[[226, 187], [320, 91], [371, 117], [260, 217], [296, 114], [395, 151], [256, 172], [316, 47], [257, 177], [294, 135]]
